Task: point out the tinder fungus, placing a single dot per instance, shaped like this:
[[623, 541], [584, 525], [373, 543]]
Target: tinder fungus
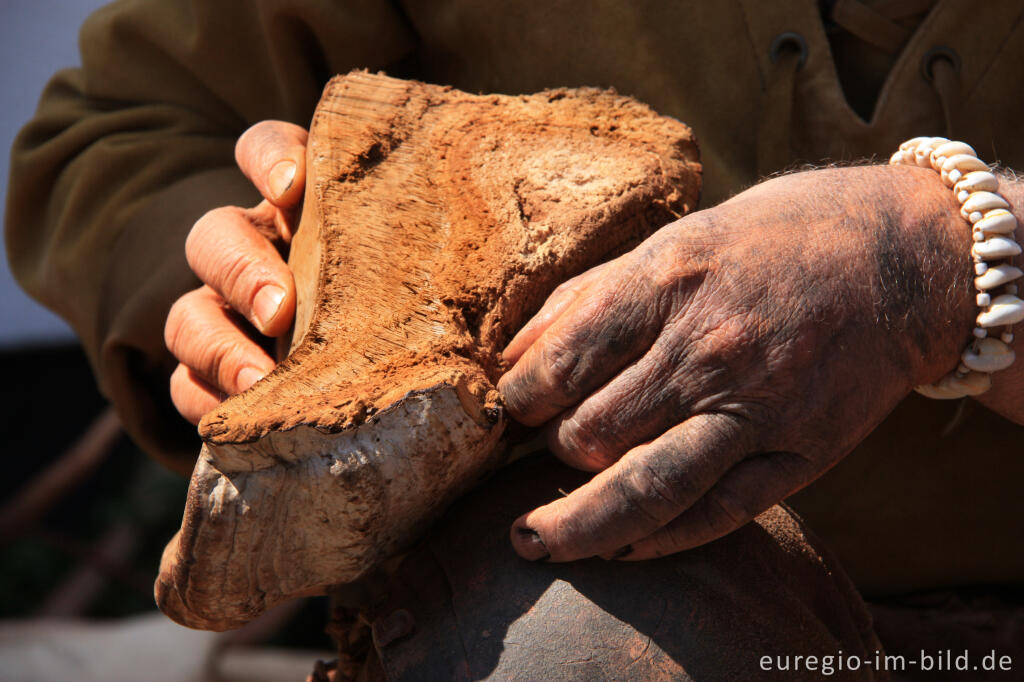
[[435, 222]]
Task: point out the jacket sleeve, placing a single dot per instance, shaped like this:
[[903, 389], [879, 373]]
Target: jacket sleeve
[[125, 153]]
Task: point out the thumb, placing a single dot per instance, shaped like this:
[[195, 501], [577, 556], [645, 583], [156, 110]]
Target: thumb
[[272, 154]]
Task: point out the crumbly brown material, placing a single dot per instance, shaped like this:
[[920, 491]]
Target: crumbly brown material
[[435, 222]]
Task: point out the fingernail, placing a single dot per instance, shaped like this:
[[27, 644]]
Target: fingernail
[[267, 303], [281, 177], [530, 546], [247, 377]]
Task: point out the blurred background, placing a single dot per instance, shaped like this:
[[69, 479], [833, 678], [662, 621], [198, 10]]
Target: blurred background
[[84, 515]]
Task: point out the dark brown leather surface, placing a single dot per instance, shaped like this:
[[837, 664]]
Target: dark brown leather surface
[[464, 606]]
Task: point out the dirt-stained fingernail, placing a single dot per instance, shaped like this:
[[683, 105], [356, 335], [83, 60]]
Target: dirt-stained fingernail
[[281, 177], [248, 376], [266, 304], [529, 545]]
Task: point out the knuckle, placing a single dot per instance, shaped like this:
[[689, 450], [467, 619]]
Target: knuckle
[[539, 383], [652, 492], [238, 279], [581, 441], [670, 540], [237, 275], [557, 368], [181, 392], [603, 301], [199, 344], [179, 319], [568, 286], [201, 245], [582, 280], [188, 397], [178, 377], [616, 326], [218, 360], [727, 510]]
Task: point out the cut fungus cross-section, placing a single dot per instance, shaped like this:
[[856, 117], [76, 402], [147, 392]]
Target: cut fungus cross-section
[[435, 222]]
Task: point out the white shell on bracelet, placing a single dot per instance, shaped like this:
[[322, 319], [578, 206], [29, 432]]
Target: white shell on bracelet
[[952, 386], [959, 165], [995, 247], [1004, 310], [944, 151], [975, 187], [997, 276], [988, 355], [923, 152], [913, 143], [980, 202], [996, 221], [977, 181]]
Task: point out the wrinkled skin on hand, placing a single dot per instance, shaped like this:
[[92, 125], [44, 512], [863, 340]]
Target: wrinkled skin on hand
[[737, 354]]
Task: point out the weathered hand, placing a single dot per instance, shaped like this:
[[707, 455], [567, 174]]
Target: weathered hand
[[235, 252], [737, 354]]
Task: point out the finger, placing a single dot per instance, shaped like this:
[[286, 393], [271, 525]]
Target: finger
[[651, 485], [598, 334], [746, 490], [207, 338], [553, 307], [272, 154], [191, 395], [645, 399], [226, 251]]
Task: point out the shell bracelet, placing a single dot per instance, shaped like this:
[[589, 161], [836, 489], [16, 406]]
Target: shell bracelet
[[975, 188]]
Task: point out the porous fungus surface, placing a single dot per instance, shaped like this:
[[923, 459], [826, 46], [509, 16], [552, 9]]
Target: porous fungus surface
[[435, 222]]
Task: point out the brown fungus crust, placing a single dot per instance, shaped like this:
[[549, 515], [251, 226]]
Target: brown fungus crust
[[434, 223]]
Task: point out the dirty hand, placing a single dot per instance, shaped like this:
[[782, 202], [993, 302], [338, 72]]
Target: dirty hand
[[737, 354], [234, 251]]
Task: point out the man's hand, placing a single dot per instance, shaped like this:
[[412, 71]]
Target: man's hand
[[215, 330], [737, 354]]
